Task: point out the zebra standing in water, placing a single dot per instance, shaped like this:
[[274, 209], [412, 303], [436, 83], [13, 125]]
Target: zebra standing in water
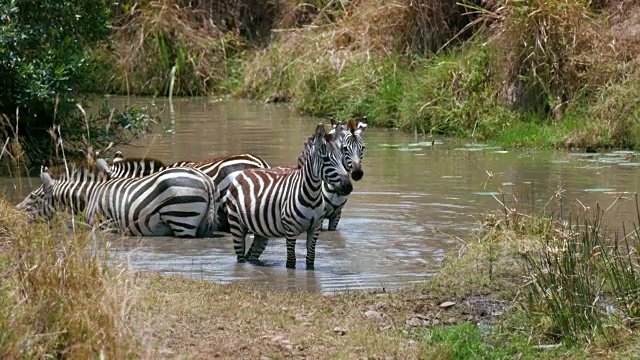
[[285, 202], [178, 202], [353, 152], [222, 170]]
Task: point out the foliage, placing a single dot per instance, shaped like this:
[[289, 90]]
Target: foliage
[[582, 281], [44, 68]]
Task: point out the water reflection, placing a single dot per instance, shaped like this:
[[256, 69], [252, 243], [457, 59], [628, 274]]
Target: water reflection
[[402, 217]]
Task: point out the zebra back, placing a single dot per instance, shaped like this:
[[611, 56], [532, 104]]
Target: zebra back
[[171, 202], [222, 170]]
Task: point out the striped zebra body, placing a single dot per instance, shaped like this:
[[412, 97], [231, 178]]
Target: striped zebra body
[[179, 203], [285, 202], [222, 170], [353, 152]]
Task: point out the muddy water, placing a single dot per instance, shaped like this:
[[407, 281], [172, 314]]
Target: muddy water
[[415, 202]]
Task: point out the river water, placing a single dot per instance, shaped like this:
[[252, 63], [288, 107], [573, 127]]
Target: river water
[[417, 201]]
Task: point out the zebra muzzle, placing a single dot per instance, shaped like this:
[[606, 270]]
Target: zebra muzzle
[[345, 187]]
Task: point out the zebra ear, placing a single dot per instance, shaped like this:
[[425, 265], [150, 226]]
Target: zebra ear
[[102, 165], [118, 156], [320, 133], [47, 181], [351, 125], [335, 132], [362, 125]]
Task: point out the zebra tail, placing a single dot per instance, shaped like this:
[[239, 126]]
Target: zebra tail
[[212, 214]]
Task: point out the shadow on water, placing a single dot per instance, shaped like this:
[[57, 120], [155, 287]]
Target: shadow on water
[[403, 217]]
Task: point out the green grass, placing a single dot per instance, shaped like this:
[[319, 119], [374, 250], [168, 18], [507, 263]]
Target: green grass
[[467, 341]]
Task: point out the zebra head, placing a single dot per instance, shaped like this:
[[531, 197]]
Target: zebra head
[[327, 159], [352, 145], [38, 203]]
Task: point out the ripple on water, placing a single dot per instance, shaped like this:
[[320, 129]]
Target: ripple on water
[[386, 237]]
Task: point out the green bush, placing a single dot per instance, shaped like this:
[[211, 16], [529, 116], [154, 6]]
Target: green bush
[[44, 69]]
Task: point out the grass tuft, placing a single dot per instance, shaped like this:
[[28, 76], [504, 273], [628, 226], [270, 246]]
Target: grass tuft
[[58, 297]]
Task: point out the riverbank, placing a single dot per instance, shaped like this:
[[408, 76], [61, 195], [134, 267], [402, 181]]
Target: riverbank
[[557, 73], [525, 286]]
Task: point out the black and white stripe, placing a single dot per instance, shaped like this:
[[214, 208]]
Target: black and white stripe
[[285, 202], [353, 152], [222, 170], [175, 202]]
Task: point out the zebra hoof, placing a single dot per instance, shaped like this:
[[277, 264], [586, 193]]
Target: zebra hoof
[[332, 229], [241, 259], [291, 265], [310, 267]]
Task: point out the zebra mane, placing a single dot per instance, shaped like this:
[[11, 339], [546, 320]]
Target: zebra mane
[[139, 160], [304, 154], [78, 172]]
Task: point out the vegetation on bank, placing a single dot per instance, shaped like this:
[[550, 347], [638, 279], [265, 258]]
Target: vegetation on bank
[[560, 73], [524, 287], [46, 70], [540, 73]]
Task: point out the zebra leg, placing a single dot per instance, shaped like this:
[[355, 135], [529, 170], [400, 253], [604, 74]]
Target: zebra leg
[[239, 234], [291, 252], [333, 220], [312, 238], [257, 247]]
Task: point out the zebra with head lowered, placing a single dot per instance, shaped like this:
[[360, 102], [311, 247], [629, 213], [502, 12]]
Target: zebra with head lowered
[[176, 202], [222, 170], [285, 202], [353, 152]]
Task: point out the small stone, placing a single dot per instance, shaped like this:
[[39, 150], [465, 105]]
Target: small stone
[[435, 322], [447, 304], [379, 305], [451, 321], [414, 322], [373, 315], [412, 342], [339, 330]]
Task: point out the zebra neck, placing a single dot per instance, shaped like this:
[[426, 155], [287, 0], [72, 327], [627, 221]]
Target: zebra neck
[[72, 195], [311, 181]]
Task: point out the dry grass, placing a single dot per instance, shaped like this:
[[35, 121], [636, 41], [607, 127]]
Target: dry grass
[[340, 37], [58, 298], [551, 49], [153, 36]]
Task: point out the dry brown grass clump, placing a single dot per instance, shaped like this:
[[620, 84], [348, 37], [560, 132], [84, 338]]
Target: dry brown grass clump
[[153, 36], [341, 36], [551, 49], [57, 297]]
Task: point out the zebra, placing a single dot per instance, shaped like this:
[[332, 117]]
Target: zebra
[[175, 202], [353, 152], [285, 202], [222, 170]]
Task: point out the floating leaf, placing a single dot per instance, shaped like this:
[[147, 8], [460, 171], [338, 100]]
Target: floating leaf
[[508, 184], [486, 193], [585, 154], [629, 164], [602, 190]]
